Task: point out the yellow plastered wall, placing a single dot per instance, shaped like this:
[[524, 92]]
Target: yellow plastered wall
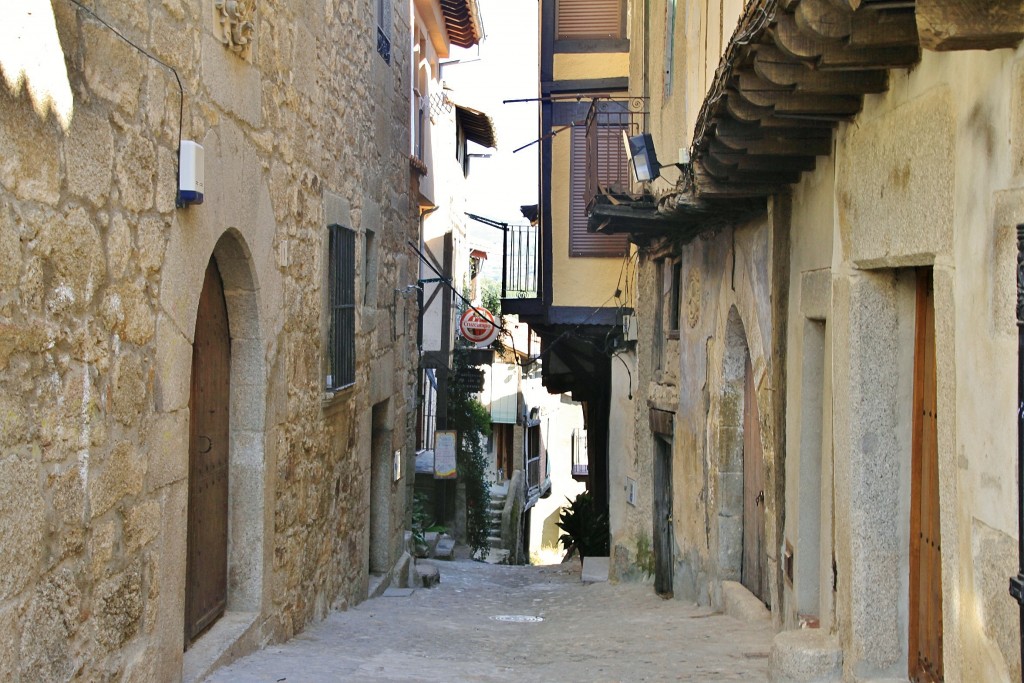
[[576, 281], [578, 66]]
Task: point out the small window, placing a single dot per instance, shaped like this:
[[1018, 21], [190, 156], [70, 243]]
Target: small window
[[590, 19], [370, 271], [341, 282], [673, 300], [384, 29]]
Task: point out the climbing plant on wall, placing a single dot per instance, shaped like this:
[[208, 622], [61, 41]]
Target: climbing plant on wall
[[473, 423]]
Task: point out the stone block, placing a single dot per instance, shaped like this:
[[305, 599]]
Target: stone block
[[135, 172], [595, 569], [127, 395], [167, 449], [445, 549], [30, 165], [89, 156], [10, 637], [120, 474], [141, 524], [101, 548], [111, 67], [233, 83], [49, 623], [805, 656], [152, 241], [22, 522], [173, 371], [73, 250], [887, 178], [816, 293], [120, 247], [13, 420], [740, 603], [126, 310], [429, 575], [118, 607], [67, 496]]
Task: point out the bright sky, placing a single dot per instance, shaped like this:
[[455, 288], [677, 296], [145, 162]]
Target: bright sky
[[504, 67]]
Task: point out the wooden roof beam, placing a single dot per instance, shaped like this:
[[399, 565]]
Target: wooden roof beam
[[778, 146], [743, 160], [733, 129], [969, 24], [783, 103], [711, 188], [775, 67], [836, 55]]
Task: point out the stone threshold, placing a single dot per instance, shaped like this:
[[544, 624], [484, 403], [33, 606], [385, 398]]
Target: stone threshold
[[223, 643]]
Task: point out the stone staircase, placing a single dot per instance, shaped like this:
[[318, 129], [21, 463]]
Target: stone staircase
[[498, 554], [494, 514]]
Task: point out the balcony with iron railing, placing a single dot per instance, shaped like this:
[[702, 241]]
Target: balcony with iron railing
[[609, 178]]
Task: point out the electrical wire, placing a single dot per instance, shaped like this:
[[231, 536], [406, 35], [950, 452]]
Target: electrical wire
[[181, 89]]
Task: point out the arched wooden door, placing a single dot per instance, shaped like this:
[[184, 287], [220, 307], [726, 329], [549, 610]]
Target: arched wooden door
[[207, 565], [754, 567]]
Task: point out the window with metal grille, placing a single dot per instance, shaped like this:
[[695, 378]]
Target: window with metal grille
[[384, 29], [341, 283], [612, 170], [589, 19]]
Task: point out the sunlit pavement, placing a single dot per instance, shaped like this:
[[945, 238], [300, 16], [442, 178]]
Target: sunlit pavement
[[479, 625]]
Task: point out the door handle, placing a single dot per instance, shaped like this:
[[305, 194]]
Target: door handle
[[205, 444], [759, 500]]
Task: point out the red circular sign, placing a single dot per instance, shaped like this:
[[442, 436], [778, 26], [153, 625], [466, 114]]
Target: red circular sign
[[478, 328]]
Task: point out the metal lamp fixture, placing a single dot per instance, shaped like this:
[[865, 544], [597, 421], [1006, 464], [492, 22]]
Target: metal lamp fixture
[[642, 157]]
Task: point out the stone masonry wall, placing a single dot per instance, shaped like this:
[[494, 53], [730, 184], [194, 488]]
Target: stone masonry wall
[[100, 276]]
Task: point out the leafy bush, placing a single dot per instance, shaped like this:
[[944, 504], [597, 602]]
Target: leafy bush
[[586, 527], [473, 423]]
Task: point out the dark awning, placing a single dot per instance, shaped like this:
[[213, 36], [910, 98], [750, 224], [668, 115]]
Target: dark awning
[[462, 20], [478, 126]]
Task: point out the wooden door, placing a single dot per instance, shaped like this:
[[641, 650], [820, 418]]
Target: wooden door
[[206, 565], [925, 547], [755, 566], [662, 517]]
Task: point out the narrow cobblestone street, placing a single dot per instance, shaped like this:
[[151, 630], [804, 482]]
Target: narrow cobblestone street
[[589, 632]]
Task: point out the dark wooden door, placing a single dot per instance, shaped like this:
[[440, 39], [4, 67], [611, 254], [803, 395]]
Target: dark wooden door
[[662, 517], [207, 565], [925, 548], [754, 568]]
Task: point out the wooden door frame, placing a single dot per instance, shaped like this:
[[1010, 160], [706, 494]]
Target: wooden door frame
[[925, 391], [200, 617]]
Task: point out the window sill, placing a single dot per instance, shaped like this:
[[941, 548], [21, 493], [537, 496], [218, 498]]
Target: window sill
[[332, 395]]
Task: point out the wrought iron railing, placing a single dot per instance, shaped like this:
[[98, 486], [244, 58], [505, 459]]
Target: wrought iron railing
[[608, 165], [522, 262]]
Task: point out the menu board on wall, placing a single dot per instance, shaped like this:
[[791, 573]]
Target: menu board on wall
[[444, 455]]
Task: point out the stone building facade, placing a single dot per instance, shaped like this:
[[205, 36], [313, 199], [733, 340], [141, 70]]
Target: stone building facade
[[303, 115], [826, 332]]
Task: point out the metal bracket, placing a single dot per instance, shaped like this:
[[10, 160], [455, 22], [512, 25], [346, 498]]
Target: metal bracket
[[1017, 588]]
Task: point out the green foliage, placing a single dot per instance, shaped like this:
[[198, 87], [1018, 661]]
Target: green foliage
[[473, 423], [490, 296], [420, 518], [644, 555], [585, 526]]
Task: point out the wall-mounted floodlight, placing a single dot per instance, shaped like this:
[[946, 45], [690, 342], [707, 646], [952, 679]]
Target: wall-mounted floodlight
[[640, 150]]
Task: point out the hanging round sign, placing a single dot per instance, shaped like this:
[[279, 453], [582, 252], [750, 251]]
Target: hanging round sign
[[478, 326]]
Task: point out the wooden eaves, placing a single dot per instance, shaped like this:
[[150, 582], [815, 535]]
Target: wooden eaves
[[793, 70]]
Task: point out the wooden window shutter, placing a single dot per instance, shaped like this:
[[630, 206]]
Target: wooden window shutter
[[589, 19], [581, 242]]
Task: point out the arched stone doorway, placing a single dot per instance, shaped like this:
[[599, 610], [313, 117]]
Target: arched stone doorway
[[742, 552], [225, 537]]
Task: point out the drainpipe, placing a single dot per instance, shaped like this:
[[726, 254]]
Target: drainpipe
[[1017, 582]]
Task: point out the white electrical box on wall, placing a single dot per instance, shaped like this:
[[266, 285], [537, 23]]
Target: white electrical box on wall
[[631, 491], [629, 327], [191, 174]]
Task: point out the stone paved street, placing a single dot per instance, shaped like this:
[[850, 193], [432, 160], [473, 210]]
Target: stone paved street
[[590, 632]]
